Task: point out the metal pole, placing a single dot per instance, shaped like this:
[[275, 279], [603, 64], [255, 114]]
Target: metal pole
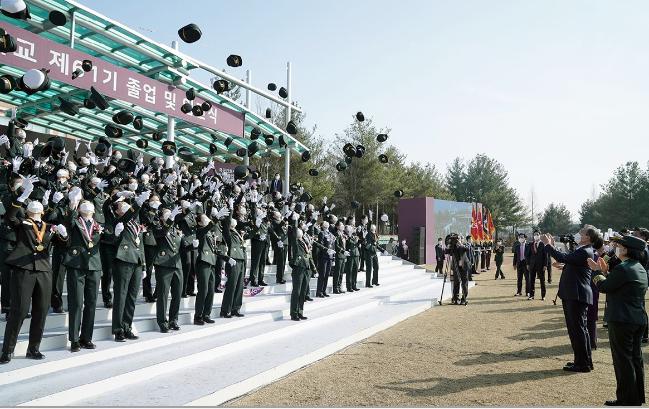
[[287, 151], [171, 125], [73, 28], [246, 159]]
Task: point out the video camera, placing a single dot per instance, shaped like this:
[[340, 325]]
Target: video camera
[[452, 240], [567, 238]]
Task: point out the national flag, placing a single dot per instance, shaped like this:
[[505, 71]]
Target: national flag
[[474, 223], [480, 232], [492, 228]]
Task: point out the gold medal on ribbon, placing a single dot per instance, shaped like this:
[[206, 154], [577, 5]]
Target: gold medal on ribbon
[[87, 232], [39, 235], [91, 245]]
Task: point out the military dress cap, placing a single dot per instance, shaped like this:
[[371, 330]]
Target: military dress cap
[[234, 61], [190, 33], [169, 148], [228, 141], [142, 143], [306, 155], [283, 92], [313, 172], [57, 143], [630, 242], [360, 117], [86, 65], [291, 128], [240, 172], [7, 42], [206, 106], [381, 137], [360, 151], [221, 86], [15, 9], [101, 150], [269, 113], [68, 107], [123, 117], [7, 84], [255, 174], [272, 87], [186, 108], [398, 193], [348, 160], [341, 166], [57, 18], [282, 142], [383, 158], [305, 197], [355, 204], [87, 103], [20, 123], [98, 99], [197, 110], [293, 188], [112, 131], [138, 123], [190, 94], [34, 80], [269, 139], [241, 152], [252, 149], [255, 133], [213, 149], [349, 150], [156, 136], [126, 165]]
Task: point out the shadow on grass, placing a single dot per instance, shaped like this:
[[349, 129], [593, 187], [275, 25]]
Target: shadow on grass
[[446, 386]]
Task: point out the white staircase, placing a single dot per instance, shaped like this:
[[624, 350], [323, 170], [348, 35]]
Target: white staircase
[[211, 364]]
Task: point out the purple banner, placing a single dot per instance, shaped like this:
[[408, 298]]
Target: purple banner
[[116, 82]]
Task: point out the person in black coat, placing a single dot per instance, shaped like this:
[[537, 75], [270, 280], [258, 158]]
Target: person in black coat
[[536, 262], [576, 294], [439, 255], [520, 264]]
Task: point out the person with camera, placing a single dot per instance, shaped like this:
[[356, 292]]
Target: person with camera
[[460, 265], [576, 294], [625, 287], [520, 264]]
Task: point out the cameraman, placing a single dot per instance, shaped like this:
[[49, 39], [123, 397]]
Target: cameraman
[[576, 294], [459, 264]]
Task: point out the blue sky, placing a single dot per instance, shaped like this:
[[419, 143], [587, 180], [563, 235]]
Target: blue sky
[[556, 90]]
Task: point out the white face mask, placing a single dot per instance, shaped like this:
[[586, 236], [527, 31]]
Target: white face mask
[[341, 227], [578, 238], [499, 244], [618, 251], [439, 242], [63, 181], [521, 240], [233, 224], [325, 226], [35, 216], [403, 243], [277, 177], [86, 215], [299, 233], [185, 204], [373, 229], [154, 204], [536, 237], [243, 212], [166, 214], [132, 186]]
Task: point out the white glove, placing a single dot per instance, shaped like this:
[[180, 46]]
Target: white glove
[[346, 253], [119, 228], [102, 184], [223, 213], [370, 213], [142, 197], [332, 206], [140, 158], [331, 252], [77, 143], [61, 230], [56, 197], [75, 193], [4, 140], [65, 156], [315, 215], [27, 150], [83, 170], [295, 216], [280, 244], [170, 179], [28, 187], [16, 162], [195, 243], [214, 212], [125, 194], [46, 198], [258, 221], [232, 262], [230, 203], [324, 200], [175, 212], [93, 160], [88, 146], [35, 143], [262, 237]]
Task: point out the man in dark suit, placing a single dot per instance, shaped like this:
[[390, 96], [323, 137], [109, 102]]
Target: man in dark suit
[[520, 264], [536, 264], [576, 294], [439, 256], [276, 184]]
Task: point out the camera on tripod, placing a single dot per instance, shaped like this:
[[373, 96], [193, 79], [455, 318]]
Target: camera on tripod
[[452, 240], [567, 239]]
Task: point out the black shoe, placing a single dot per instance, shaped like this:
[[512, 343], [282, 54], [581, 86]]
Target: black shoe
[[108, 304], [645, 340], [319, 295], [208, 320], [295, 318], [217, 291], [130, 335], [58, 310], [281, 282], [237, 314], [224, 315], [253, 284], [376, 284], [325, 294], [341, 291], [613, 403], [164, 328], [192, 294], [75, 347], [263, 284], [86, 344], [183, 296], [453, 302], [517, 295], [34, 355], [174, 326], [302, 317], [119, 337], [464, 302], [549, 281], [308, 299], [6, 358], [199, 321], [336, 292], [356, 289], [150, 299], [368, 286], [362, 269], [575, 368]]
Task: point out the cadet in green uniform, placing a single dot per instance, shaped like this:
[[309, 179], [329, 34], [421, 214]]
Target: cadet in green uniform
[[7, 243], [206, 260], [58, 213], [108, 252], [259, 244], [168, 269], [128, 267], [187, 223], [371, 259], [499, 251], [300, 275], [235, 269], [351, 266], [279, 236], [83, 264], [340, 246], [149, 218], [625, 288]]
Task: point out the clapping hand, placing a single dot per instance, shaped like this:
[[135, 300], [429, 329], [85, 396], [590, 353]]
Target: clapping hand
[[102, 184], [56, 197], [175, 212], [119, 228], [77, 143], [16, 162], [4, 140], [27, 150], [61, 230], [142, 197], [46, 198]]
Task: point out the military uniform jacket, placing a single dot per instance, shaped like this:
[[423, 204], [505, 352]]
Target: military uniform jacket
[[500, 253], [6, 230], [625, 289], [98, 198], [262, 231], [301, 255], [108, 236], [81, 253], [353, 246], [207, 249], [235, 241], [278, 232], [340, 246], [371, 243], [187, 223], [325, 242], [221, 246], [149, 218], [25, 255], [129, 242], [169, 239]]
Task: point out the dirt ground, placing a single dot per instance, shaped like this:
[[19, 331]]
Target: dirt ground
[[500, 350]]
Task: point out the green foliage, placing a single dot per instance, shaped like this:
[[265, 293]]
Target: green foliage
[[555, 219], [624, 201]]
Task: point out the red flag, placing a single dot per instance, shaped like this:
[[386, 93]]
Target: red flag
[[479, 219], [474, 223], [492, 228]]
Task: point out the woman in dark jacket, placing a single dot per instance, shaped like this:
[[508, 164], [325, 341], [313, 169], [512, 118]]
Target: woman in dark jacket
[[625, 287]]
